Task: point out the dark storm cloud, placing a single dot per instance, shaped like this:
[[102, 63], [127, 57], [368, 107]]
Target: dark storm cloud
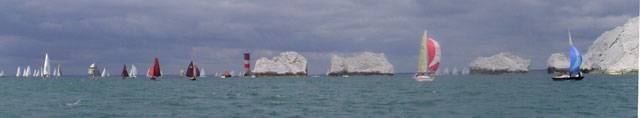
[[215, 33]]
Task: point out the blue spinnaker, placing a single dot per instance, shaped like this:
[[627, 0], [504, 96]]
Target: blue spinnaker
[[576, 59]]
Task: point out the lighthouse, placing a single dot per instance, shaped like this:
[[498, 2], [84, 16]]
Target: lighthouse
[[247, 67]]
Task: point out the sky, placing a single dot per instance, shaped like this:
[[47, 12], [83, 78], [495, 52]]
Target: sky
[[215, 33]]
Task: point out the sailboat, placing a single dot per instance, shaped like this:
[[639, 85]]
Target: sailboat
[[2, 73], [446, 71], [465, 71], [154, 71], [47, 67], [18, 73], [574, 67], [104, 72], [58, 72], [203, 73], [192, 71], [27, 72], [36, 73], [93, 72], [54, 72], [133, 71], [181, 73], [429, 60], [124, 73], [148, 72], [454, 71]]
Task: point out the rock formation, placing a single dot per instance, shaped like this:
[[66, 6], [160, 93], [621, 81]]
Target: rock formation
[[615, 50], [287, 64], [366, 63], [500, 63], [558, 63]]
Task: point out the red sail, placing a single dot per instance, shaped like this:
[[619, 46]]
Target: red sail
[[155, 70], [435, 54], [197, 71], [190, 70], [124, 72]]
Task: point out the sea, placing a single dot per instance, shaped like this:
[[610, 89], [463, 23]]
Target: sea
[[481, 96]]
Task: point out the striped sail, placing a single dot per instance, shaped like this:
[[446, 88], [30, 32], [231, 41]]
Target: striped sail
[[93, 70]]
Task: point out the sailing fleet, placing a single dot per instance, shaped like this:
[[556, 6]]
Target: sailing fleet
[[44, 72], [430, 55]]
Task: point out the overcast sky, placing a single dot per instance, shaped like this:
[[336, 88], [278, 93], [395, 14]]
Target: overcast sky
[[215, 33]]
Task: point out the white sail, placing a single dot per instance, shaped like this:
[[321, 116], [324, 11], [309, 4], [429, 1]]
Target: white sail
[[454, 71], [465, 71], [18, 73], [59, 71], [104, 72], [2, 73], [47, 66], [148, 73], [133, 72], [27, 71], [202, 73], [35, 73], [446, 71], [54, 72]]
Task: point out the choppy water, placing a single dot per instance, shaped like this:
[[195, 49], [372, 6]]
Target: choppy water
[[529, 95]]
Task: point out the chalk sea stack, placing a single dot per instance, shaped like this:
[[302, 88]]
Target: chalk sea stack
[[558, 63], [363, 64], [501, 63], [287, 64], [615, 50]]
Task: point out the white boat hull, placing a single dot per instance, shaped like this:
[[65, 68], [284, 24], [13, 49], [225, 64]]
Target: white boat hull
[[424, 78]]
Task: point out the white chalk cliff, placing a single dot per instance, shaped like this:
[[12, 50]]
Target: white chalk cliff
[[558, 62], [288, 63], [615, 50], [500, 63], [366, 63]]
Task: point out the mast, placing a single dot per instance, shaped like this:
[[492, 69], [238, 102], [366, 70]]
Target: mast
[[422, 60]]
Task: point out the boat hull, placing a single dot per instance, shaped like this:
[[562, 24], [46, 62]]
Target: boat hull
[[424, 78], [567, 78]]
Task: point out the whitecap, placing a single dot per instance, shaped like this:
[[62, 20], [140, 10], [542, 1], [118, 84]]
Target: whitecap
[[74, 104]]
